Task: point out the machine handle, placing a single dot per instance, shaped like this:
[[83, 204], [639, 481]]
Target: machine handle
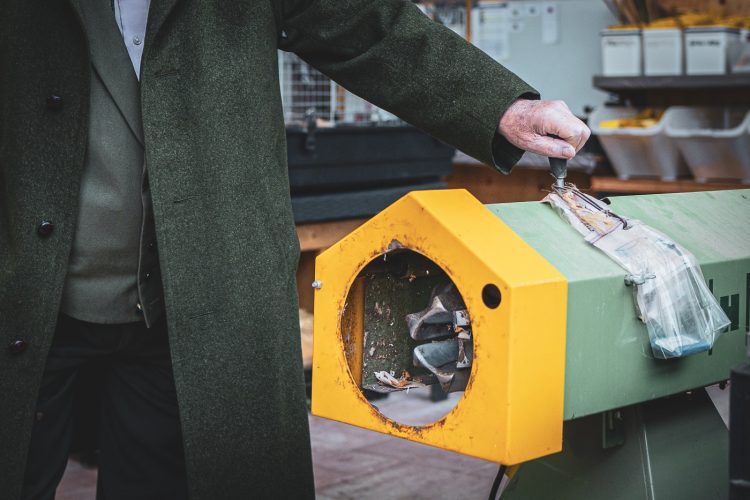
[[559, 167]]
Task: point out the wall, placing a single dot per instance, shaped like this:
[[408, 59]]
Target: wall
[[552, 45]]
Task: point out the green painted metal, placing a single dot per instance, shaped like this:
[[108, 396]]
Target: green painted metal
[[673, 449], [608, 357]]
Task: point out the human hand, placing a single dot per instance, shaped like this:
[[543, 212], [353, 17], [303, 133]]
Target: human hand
[[544, 127]]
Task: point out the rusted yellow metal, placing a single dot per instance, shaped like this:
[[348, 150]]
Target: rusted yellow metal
[[353, 329], [512, 409]]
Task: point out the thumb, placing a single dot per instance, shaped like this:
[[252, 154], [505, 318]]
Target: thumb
[[550, 146]]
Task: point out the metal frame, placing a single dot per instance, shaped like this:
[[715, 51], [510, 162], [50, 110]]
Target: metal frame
[[306, 94]]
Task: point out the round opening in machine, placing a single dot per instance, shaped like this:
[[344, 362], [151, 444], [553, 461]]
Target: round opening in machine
[[407, 337], [491, 296]]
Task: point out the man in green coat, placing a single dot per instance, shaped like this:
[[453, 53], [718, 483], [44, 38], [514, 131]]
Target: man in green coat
[[100, 166]]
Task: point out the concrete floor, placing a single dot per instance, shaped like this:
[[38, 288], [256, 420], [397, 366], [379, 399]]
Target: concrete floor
[[352, 463]]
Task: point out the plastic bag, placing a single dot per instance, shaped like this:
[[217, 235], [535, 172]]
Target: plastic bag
[[671, 297]]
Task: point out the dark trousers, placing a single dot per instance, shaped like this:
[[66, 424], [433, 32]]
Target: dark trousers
[[140, 441]]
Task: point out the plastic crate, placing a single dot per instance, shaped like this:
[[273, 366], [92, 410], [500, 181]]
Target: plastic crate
[[638, 152], [711, 50], [662, 51], [349, 158], [622, 54], [714, 141]]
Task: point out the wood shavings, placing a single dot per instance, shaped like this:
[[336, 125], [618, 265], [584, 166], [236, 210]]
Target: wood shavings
[[402, 382], [587, 212]]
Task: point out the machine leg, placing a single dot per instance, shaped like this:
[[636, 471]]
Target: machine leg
[[672, 448], [739, 443]]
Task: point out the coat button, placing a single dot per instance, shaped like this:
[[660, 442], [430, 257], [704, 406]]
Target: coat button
[[17, 346], [55, 102], [45, 228]]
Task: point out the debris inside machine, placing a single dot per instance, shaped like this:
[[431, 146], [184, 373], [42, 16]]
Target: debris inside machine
[[446, 350], [403, 382]]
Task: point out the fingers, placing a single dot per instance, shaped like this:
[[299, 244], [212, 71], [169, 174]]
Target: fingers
[[573, 131], [548, 128], [550, 146], [560, 121]]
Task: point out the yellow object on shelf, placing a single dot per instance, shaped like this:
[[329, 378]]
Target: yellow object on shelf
[[712, 17], [624, 27], [649, 117], [736, 21]]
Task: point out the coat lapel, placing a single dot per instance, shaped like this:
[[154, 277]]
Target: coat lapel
[[158, 12], [111, 61]]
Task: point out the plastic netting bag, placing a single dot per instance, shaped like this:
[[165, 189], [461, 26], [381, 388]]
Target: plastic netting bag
[[671, 297]]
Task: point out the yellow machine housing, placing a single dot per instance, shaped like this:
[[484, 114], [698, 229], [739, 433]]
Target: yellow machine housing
[[512, 409]]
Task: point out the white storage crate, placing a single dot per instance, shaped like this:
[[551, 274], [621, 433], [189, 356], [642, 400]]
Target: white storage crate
[[715, 142], [711, 50], [637, 152], [622, 53], [742, 64], [662, 51]]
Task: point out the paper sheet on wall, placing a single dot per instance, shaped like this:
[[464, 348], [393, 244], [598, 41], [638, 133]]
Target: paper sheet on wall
[[492, 31], [550, 23]]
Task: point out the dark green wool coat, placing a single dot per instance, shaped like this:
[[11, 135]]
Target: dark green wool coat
[[215, 150]]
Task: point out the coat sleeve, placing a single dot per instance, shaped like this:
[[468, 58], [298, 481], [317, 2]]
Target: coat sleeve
[[389, 53]]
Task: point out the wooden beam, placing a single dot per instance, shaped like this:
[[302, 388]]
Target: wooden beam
[[313, 239], [321, 235], [650, 186], [524, 184]]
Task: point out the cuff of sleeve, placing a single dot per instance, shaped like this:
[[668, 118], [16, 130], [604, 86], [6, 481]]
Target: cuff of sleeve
[[504, 154]]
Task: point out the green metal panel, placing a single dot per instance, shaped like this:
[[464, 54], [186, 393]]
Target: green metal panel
[[608, 361], [673, 449]]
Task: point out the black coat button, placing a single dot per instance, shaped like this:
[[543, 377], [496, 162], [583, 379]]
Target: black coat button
[[17, 346], [55, 102], [45, 228]]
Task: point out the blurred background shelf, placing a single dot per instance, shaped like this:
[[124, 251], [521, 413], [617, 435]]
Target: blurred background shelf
[[696, 90], [619, 84]]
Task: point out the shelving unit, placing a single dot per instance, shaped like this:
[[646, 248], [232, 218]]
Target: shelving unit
[[619, 84], [662, 91], [699, 90]]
